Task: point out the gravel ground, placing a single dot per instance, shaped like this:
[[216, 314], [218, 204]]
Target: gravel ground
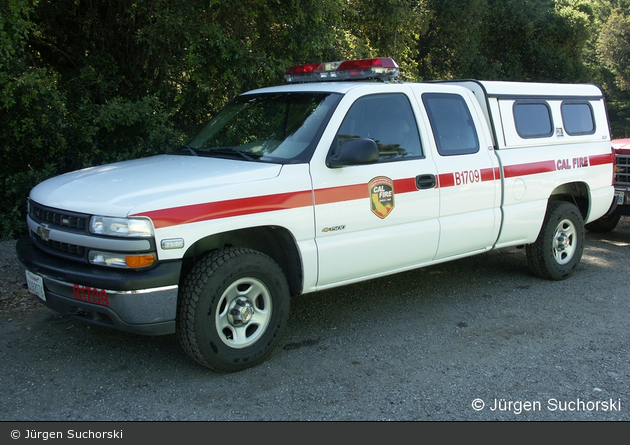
[[14, 298], [446, 342]]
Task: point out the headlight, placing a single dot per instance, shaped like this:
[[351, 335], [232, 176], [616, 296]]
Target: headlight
[[123, 227], [121, 260]]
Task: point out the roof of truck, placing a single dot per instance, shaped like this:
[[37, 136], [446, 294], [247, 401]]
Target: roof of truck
[[341, 77], [492, 88], [499, 88]]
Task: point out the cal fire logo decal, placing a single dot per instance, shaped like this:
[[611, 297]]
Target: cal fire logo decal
[[381, 196]]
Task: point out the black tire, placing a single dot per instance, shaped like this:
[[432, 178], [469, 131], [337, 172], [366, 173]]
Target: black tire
[[232, 309], [604, 224], [558, 249]]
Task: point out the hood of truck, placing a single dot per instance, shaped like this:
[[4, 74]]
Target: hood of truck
[[150, 183], [621, 146]]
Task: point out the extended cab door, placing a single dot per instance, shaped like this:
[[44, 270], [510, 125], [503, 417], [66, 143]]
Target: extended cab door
[[374, 215], [469, 176]]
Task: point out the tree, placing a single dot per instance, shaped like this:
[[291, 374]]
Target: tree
[[388, 28], [505, 40], [607, 59], [32, 112], [85, 82], [614, 47], [452, 45]]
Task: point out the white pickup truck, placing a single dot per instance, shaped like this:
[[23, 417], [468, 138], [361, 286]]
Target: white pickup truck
[[328, 180]]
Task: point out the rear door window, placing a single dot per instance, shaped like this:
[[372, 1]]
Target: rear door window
[[452, 124]]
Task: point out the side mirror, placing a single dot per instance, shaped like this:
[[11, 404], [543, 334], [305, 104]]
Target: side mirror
[[361, 151]]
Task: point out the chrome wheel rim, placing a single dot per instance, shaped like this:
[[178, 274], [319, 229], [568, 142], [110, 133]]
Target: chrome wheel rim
[[564, 242], [244, 313]]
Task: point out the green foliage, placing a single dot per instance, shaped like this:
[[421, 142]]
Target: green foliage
[[537, 40], [452, 45], [613, 49], [389, 28], [88, 82], [606, 57]]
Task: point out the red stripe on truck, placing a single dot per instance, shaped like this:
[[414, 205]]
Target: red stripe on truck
[[284, 201], [226, 209], [532, 168]]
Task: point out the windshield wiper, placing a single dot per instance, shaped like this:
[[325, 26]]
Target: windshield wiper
[[231, 151], [187, 149]]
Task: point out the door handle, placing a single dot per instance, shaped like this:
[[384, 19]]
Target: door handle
[[425, 181]]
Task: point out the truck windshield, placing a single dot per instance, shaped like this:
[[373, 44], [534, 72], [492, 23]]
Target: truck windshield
[[279, 127]]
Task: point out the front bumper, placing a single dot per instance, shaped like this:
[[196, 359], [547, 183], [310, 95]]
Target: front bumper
[[142, 302]]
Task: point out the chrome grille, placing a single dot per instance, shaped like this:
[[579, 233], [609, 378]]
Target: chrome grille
[[68, 249], [61, 220], [58, 218], [622, 174]]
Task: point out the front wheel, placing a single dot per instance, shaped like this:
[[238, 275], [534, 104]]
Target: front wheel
[[232, 309], [558, 249]]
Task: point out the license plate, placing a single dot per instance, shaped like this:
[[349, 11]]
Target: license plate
[[619, 195], [35, 284]]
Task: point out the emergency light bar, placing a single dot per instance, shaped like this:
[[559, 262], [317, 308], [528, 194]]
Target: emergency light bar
[[383, 68]]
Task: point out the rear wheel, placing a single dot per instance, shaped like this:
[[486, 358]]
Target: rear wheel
[[232, 309], [558, 249]]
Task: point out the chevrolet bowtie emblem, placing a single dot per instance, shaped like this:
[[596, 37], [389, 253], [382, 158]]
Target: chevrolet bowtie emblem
[[44, 232]]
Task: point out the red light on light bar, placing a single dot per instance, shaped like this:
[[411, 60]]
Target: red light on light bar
[[301, 69], [379, 62], [383, 68]]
